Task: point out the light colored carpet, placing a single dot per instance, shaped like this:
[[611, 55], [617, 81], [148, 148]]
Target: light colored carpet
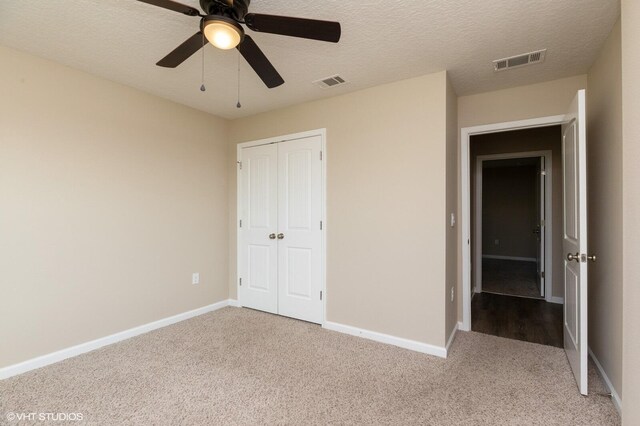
[[510, 277], [238, 366]]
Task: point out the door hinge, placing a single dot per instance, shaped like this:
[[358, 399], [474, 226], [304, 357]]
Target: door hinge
[[320, 294], [239, 164], [321, 225], [240, 282], [240, 223], [543, 173], [542, 273], [320, 155]]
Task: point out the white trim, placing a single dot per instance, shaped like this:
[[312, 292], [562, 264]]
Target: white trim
[[521, 259], [294, 136], [465, 239], [53, 357], [239, 211], [548, 204], [234, 303], [451, 338], [617, 402], [323, 237], [284, 138], [556, 299], [413, 345]]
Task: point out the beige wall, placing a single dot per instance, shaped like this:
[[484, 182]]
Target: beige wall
[[110, 199], [631, 208], [604, 168], [386, 153], [452, 208], [518, 103], [537, 139], [509, 211]]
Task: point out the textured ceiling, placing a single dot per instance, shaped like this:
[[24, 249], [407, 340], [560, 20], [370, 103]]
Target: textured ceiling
[[382, 41]]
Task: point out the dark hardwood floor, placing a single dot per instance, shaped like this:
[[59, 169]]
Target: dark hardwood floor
[[510, 277], [518, 318]]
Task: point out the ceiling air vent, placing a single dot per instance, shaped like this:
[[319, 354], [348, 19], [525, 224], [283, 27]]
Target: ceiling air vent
[[332, 81], [519, 60]]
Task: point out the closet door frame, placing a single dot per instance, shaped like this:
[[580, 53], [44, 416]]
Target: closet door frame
[[323, 214]]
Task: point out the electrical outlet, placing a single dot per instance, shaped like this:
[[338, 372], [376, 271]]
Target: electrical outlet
[[452, 293], [195, 278]]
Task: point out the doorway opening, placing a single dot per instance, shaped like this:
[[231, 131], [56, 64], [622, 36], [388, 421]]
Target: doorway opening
[[512, 234], [512, 207]]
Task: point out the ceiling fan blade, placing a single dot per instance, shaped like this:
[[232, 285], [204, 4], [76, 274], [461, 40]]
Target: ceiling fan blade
[[175, 6], [183, 52], [294, 27], [260, 64]]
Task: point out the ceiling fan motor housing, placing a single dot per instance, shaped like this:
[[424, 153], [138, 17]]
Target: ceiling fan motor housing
[[234, 9]]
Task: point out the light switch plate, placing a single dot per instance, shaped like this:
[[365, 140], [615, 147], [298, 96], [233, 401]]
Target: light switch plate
[[195, 278]]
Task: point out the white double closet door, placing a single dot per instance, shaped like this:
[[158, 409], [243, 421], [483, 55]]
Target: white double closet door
[[280, 236]]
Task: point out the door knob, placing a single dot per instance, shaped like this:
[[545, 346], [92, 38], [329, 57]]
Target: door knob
[[272, 236], [592, 258], [575, 257], [280, 236]]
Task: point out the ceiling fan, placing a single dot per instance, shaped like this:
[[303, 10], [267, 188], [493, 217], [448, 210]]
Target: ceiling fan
[[220, 25]]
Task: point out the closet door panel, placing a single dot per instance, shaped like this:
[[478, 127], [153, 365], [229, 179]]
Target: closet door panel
[[258, 252], [299, 215]]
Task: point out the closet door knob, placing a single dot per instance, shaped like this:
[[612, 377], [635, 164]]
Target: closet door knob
[[575, 257], [272, 236], [280, 236]]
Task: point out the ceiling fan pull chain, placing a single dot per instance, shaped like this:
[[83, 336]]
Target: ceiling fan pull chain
[[238, 105], [202, 88]]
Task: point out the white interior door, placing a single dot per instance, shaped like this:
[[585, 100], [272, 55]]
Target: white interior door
[[258, 251], [299, 229], [575, 239]]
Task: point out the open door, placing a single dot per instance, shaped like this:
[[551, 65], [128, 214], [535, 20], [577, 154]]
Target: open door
[[540, 226], [575, 239]]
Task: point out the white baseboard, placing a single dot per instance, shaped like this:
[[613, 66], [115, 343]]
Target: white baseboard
[[524, 259], [556, 299], [234, 303], [51, 358], [451, 338], [388, 339], [461, 326], [617, 402]]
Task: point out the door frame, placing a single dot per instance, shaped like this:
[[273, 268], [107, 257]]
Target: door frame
[[477, 235], [465, 193], [323, 213]]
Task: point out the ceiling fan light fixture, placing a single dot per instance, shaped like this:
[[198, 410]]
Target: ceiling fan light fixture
[[222, 32]]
